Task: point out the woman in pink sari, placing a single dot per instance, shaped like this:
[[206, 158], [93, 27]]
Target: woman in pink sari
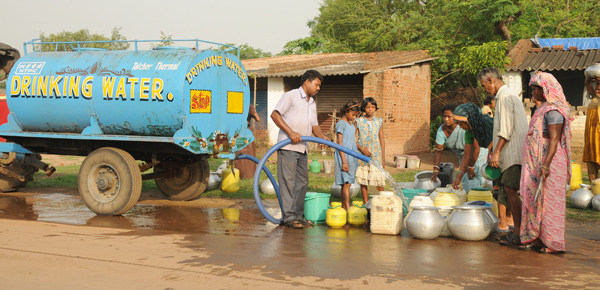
[[546, 155]]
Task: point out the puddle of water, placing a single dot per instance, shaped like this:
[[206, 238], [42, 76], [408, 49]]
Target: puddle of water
[[69, 209]]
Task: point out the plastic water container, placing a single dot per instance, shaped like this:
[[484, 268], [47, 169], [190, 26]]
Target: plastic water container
[[446, 199], [386, 214], [357, 214], [315, 206], [576, 178], [400, 161], [231, 182], [483, 194], [596, 186], [410, 193], [336, 215]]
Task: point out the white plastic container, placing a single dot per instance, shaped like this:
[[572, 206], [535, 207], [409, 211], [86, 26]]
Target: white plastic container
[[386, 214]]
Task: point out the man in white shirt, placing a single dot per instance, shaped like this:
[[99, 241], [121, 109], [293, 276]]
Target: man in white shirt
[[510, 129], [296, 115]]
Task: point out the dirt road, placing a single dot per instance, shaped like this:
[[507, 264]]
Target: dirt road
[[52, 241]]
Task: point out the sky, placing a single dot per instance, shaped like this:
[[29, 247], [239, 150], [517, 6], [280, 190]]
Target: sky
[[264, 24]]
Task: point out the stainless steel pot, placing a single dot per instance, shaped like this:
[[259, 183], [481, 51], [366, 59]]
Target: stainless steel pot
[[582, 198], [593, 71], [493, 217], [596, 202], [336, 190], [214, 182], [267, 187], [424, 222], [470, 222], [423, 181]]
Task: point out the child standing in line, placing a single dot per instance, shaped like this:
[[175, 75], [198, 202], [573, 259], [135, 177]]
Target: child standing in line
[[372, 144], [345, 165]]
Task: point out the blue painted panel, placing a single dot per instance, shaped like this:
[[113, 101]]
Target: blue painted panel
[[200, 98]]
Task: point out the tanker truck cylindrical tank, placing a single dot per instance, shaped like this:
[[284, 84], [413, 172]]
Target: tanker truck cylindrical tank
[[201, 98]]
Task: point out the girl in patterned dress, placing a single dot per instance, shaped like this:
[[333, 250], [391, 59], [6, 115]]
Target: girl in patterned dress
[[345, 165], [371, 143]]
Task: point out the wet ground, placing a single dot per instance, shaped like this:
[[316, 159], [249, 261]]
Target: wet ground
[[234, 237]]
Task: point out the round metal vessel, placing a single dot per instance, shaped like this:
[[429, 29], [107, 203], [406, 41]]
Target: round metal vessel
[[582, 197], [470, 223], [424, 222], [593, 71], [214, 181], [423, 181], [267, 187]]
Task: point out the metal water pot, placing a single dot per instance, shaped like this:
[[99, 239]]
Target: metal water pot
[[470, 222], [492, 215], [593, 71], [336, 190], [267, 187], [424, 222], [423, 181], [582, 198], [596, 202], [214, 182]]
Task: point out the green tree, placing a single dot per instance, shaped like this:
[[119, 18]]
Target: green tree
[[165, 40], [84, 35], [247, 51], [462, 34]]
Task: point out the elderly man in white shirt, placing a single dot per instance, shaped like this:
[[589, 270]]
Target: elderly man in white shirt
[[510, 129], [296, 115]]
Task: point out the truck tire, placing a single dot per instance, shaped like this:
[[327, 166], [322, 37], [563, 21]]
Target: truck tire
[[8, 184], [110, 181], [189, 183]]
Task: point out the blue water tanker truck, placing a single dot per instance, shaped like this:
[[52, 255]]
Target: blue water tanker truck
[[169, 109]]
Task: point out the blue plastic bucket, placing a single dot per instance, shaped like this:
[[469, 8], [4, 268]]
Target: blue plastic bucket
[[410, 193], [315, 206]]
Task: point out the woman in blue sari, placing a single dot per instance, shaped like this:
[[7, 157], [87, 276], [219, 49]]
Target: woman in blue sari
[[452, 137]]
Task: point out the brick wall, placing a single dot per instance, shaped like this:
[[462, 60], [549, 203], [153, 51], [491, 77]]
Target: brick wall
[[578, 130], [403, 98]]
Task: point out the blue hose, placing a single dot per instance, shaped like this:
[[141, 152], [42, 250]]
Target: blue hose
[[261, 166], [269, 175]]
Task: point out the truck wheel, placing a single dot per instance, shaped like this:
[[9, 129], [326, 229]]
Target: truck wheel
[[110, 181], [8, 184], [189, 183]]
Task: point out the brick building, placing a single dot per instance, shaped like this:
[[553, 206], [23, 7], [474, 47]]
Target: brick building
[[398, 80]]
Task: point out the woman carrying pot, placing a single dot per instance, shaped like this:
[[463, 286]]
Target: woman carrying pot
[[591, 147], [546, 168], [475, 155]]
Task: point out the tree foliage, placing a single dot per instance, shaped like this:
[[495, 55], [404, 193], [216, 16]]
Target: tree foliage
[[464, 35], [165, 40], [249, 52], [84, 35]]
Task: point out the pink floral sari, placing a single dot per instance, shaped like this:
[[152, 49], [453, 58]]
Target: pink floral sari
[[544, 218]]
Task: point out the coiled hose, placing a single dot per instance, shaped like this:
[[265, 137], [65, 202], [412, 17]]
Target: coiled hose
[[261, 166]]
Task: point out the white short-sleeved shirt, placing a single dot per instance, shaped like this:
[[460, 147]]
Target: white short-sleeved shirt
[[510, 123], [299, 114]]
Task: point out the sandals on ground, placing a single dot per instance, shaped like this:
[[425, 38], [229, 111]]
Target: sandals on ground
[[305, 222], [546, 250], [511, 240], [293, 224], [530, 246]]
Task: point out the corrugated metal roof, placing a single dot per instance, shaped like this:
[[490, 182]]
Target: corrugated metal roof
[[556, 60], [333, 64], [350, 68]]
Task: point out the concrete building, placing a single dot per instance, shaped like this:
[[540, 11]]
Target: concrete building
[[398, 80]]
